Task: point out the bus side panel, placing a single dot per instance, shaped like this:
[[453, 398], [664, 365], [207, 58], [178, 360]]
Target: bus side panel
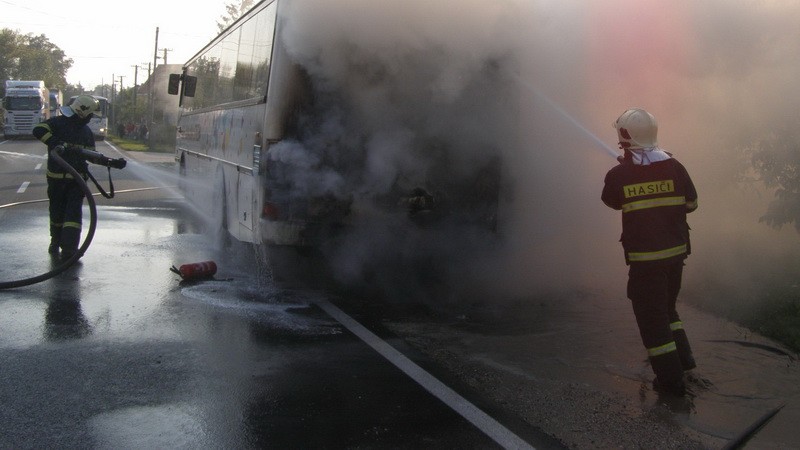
[[197, 170], [223, 138], [246, 206]]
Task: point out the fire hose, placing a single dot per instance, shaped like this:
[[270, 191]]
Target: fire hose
[[67, 263]]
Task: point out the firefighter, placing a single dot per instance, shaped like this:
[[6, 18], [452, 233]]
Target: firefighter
[[654, 192], [69, 134]]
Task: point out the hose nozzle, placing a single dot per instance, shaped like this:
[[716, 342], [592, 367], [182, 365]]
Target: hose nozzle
[[103, 160]]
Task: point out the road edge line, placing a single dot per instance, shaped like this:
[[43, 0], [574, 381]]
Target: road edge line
[[488, 425]]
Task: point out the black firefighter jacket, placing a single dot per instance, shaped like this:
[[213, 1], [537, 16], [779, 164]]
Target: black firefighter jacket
[[67, 131], [654, 200]]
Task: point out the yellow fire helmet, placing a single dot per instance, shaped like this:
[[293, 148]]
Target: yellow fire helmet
[[82, 105]]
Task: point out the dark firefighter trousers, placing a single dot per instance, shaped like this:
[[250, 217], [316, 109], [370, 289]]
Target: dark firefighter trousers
[[653, 290], [66, 204]]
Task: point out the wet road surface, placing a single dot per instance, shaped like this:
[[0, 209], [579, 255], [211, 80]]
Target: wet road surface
[[119, 353], [576, 368]]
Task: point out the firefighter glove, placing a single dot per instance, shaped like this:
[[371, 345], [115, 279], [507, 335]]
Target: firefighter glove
[[118, 163]]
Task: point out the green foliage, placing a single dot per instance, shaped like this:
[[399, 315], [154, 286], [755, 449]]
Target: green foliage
[[773, 311], [777, 162], [29, 57], [125, 110], [233, 11], [128, 144]]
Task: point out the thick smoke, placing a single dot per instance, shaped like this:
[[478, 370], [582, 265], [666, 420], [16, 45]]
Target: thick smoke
[[414, 114], [420, 94]]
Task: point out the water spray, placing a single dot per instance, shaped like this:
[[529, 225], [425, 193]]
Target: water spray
[[569, 118]]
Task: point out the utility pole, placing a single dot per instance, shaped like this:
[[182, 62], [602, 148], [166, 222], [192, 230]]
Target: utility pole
[[113, 119], [150, 97], [120, 90], [150, 84], [135, 88], [165, 50], [155, 51]]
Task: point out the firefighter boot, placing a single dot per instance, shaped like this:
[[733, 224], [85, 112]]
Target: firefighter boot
[[669, 374], [70, 238], [55, 239], [684, 350]]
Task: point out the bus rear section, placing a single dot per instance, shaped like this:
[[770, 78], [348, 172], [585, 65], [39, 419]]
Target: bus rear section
[[272, 156], [26, 104]]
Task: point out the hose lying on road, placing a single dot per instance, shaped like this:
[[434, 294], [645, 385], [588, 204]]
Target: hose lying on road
[[67, 263], [741, 439]]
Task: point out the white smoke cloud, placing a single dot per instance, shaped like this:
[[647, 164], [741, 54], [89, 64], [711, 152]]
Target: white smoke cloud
[[421, 91]]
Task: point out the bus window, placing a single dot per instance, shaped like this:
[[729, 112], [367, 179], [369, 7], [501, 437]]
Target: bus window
[[265, 34], [206, 69], [227, 67], [189, 85], [243, 80]]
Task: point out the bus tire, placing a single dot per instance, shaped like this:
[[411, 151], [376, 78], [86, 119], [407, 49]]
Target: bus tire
[[219, 211], [182, 175]]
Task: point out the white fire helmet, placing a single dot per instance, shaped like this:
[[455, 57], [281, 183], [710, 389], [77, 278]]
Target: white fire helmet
[[82, 106], [637, 128]]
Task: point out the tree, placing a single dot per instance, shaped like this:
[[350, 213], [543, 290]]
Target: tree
[[124, 107], [777, 162], [9, 45], [233, 12], [29, 57]]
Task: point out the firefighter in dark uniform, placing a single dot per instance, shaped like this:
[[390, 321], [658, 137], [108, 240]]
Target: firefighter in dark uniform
[[68, 134], [654, 192]]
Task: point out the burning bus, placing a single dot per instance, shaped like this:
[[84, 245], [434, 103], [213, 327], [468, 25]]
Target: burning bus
[[295, 139]]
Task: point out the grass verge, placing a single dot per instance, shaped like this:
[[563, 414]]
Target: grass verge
[[773, 312], [140, 146], [778, 317]]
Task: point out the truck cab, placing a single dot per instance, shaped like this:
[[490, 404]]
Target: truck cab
[[26, 104]]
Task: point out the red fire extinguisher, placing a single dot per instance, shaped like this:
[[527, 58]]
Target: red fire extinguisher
[[196, 271]]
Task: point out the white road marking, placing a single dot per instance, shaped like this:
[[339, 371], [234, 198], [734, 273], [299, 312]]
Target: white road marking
[[488, 425], [96, 194], [24, 155], [38, 166], [23, 187]]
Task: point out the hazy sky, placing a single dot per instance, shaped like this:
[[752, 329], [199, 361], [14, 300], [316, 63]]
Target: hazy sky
[[106, 39]]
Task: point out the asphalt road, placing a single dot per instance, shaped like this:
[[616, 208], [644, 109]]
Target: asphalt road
[[118, 352]]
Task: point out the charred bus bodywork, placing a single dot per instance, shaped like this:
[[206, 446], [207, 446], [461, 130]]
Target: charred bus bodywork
[[256, 149]]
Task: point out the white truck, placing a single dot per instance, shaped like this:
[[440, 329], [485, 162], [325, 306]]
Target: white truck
[[26, 103]]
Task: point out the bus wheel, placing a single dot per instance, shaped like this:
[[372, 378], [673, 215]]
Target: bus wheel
[[219, 211], [182, 175]]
